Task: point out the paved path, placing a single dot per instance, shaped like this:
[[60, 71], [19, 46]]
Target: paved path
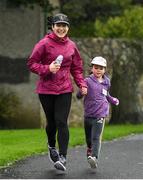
[[120, 159]]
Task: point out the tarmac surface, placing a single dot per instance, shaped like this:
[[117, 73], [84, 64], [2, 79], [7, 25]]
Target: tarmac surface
[[119, 159]]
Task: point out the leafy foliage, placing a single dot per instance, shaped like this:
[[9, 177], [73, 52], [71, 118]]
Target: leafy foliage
[[79, 11], [84, 13], [83, 30], [129, 25]]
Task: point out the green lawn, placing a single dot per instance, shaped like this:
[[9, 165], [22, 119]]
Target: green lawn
[[17, 144]]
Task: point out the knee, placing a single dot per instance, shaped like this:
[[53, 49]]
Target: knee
[[96, 138], [62, 125]]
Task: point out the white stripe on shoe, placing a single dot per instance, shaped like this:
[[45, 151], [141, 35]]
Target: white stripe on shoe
[[50, 158], [58, 165]]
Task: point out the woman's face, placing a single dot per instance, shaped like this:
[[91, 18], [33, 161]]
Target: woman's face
[[60, 29]]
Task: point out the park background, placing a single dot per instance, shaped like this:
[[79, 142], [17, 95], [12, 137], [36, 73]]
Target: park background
[[112, 29]]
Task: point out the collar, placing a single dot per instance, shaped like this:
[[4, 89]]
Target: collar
[[57, 39]]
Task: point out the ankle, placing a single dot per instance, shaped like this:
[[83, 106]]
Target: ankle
[[62, 155]]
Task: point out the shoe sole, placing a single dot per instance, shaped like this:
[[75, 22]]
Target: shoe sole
[[58, 165], [92, 163]]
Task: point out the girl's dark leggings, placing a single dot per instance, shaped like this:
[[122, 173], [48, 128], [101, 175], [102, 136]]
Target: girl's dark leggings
[[93, 134], [56, 108]]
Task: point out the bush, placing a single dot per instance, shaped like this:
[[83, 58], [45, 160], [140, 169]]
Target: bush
[[129, 25], [83, 30], [8, 105]]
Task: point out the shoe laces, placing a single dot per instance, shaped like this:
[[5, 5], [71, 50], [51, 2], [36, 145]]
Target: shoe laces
[[54, 152], [62, 159]]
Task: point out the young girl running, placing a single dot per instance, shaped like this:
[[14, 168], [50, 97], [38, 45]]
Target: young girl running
[[96, 108]]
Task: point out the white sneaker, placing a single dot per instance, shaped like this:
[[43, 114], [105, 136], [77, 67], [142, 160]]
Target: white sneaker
[[53, 154], [60, 166], [92, 161]]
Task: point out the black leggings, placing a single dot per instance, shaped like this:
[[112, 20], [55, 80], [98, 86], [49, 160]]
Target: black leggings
[[56, 108]]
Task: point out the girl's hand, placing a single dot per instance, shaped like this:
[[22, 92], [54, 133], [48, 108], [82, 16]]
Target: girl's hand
[[116, 101], [53, 67]]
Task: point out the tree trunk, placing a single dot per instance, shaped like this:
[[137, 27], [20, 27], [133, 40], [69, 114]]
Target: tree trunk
[[125, 81]]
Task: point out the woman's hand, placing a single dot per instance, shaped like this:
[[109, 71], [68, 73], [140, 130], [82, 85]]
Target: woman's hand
[[54, 67], [84, 91]]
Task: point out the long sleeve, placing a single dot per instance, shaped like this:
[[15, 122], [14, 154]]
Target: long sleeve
[[77, 69], [35, 60], [112, 100]]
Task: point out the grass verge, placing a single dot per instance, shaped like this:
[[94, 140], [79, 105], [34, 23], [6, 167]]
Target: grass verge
[[18, 144]]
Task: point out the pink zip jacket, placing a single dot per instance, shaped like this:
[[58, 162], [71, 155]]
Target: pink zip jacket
[[46, 51]]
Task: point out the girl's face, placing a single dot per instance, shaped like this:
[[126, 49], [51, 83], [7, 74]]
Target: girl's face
[[60, 29], [98, 71]]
